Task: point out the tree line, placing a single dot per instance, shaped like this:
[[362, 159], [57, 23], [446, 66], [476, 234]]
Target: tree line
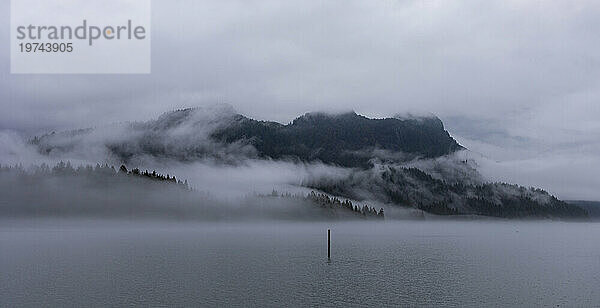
[[326, 201], [98, 171]]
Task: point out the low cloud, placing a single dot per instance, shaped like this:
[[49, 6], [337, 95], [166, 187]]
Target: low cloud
[[527, 70]]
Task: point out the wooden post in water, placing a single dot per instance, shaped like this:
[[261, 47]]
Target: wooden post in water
[[328, 243]]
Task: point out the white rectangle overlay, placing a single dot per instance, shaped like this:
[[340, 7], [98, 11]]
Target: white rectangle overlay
[[80, 37]]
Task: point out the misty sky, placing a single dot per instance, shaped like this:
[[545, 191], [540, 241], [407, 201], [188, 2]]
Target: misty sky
[[516, 81]]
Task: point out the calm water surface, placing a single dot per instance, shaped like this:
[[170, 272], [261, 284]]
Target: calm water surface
[[95, 263]]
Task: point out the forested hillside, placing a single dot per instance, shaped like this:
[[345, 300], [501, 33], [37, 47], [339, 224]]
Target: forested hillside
[[382, 160], [411, 187], [348, 140]]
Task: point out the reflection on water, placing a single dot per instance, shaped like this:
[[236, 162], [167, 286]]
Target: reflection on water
[[58, 263]]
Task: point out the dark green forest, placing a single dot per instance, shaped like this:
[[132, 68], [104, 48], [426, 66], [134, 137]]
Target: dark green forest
[[347, 140], [411, 187], [373, 151], [344, 140], [328, 202]]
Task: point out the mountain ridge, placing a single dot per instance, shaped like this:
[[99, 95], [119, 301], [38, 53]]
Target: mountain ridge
[[340, 138], [377, 155], [346, 139]]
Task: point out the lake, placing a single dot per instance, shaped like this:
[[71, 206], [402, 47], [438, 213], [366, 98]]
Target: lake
[[275, 264]]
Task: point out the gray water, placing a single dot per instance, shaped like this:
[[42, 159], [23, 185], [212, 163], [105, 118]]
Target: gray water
[[95, 263]]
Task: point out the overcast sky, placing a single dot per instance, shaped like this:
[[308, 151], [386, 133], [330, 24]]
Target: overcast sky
[[516, 81]]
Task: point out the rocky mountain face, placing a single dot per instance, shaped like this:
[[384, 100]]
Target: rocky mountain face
[[347, 139], [376, 153]]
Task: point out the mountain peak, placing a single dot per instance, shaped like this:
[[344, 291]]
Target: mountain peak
[[313, 117], [195, 115], [345, 139]]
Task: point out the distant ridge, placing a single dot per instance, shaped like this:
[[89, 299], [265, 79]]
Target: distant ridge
[[346, 139], [592, 207], [375, 151]]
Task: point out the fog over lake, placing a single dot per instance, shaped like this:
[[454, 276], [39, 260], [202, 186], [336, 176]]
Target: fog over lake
[[452, 147], [72, 262]]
